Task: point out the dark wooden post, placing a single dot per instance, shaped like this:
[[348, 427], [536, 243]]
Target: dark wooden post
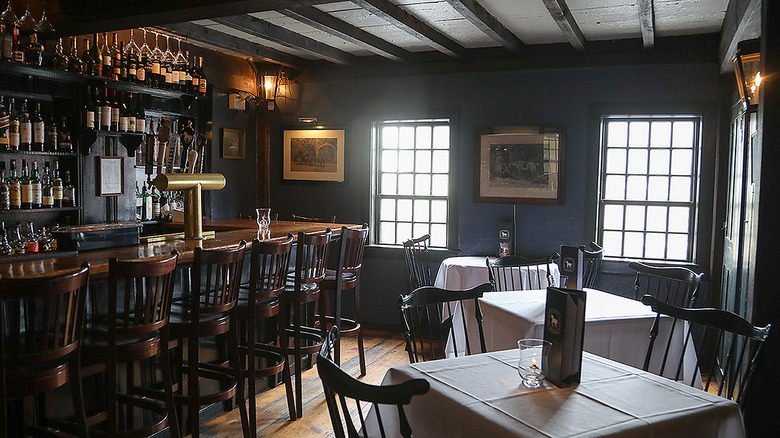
[[263, 157]]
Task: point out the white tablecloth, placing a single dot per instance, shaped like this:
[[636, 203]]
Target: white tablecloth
[[461, 273], [481, 396], [615, 327]]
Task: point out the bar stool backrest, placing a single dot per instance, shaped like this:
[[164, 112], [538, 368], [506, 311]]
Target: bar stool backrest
[[140, 294], [310, 258], [217, 275], [353, 243], [270, 261]]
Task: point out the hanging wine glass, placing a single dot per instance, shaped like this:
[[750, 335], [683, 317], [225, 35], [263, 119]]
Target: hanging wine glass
[[168, 55], [26, 22], [131, 48], [8, 17], [145, 51], [180, 59], [156, 53], [44, 26]]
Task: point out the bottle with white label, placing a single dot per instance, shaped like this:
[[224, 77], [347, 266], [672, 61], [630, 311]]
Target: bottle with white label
[[37, 187], [38, 129], [105, 111], [25, 128]]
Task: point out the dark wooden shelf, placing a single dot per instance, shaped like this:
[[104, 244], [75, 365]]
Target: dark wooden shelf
[[56, 154], [38, 210], [130, 140]]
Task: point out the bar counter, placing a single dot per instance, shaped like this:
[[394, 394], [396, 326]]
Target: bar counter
[[228, 232]]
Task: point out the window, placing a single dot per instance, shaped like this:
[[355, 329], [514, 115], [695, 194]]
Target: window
[[648, 186], [411, 164]]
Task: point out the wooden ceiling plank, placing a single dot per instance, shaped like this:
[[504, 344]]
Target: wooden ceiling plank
[[742, 22], [212, 39], [287, 38], [562, 15], [332, 25], [647, 23], [488, 24], [414, 26]]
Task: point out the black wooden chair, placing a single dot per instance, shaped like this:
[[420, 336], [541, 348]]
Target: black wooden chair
[[427, 318], [418, 269], [592, 259], [675, 285], [339, 387], [298, 218], [728, 348], [41, 321], [521, 273]]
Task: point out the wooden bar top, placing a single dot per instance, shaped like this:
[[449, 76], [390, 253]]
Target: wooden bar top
[[235, 231]]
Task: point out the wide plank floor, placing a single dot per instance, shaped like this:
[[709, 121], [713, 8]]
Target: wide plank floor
[[383, 351]]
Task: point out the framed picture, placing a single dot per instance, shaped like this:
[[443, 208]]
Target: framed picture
[[523, 167], [111, 176], [314, 154], [233, 145]]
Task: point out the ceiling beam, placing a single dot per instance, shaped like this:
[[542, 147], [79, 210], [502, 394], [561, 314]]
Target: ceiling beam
[[742, 22], [355, 35], [413, 26], [480, 17], [562, 15], [209, 38], [647, 23], [89, 16], [287, 38]]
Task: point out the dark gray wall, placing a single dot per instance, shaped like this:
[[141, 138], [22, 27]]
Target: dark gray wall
[[481, 101]]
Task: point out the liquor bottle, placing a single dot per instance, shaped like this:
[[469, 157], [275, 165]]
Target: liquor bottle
[[17, 54], [165, 208], [147, 211], [38, 129], [45, 241], [87, 62], [143, 74], [105, 111], [74, 61], [52, 138], [31, 238], [26, 186], [6, 42], [195, 81], [114, 111], [117, 61], [5, 131], [166, 67], [56, 185], [14, 128], [17, 242], [68, 192], [64, 139], [59, 60], [94, 53], [187, 83], [140, 117], [123, 122], [25, 128], [155, 204], [202, 82], [123, 75], [5, 190], [105, 51], [15, 188], [33, 53], [130, 112], [156, 61], [37, 187], [152, 146], [139, 203], [47, 191], [130, 57], [88, 111], [5, 247]]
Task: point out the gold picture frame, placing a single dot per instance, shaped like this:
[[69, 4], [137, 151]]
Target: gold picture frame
[[314, 154], [233, 144]]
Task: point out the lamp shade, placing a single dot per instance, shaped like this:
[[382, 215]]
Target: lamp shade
[[270, 83], [747, 65]]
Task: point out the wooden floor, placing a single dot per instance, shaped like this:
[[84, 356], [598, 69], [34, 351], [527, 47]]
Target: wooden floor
[[383, 351]]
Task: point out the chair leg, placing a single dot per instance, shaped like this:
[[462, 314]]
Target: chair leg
[[112, 406], [336, 322], [283, 344], [361, 351], [193, 387], [235, 362], [298, 358], [78, 395], [251, 330], [170, 404]]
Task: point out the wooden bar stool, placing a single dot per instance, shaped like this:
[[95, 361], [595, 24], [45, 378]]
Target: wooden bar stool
[[206, 312], [260, 302], [303, 291], [135, 328], [351, 246], [41, 319]]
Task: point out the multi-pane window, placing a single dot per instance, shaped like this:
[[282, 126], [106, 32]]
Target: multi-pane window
[[411, 180], [648, 186]]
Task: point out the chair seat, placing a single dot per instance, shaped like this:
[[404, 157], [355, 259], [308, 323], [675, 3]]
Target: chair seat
[[35, 380], [96, 345], [211, 323], [348, 279]]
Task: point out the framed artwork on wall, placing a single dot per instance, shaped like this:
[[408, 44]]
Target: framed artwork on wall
[[522, 165], [314, 154], [110, 176], [233, 145]]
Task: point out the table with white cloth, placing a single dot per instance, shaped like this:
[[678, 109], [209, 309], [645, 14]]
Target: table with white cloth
[[461, 273], [482, 396]]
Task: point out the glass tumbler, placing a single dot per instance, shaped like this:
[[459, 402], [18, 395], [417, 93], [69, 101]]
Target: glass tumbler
[[532, 365], [263, 218]]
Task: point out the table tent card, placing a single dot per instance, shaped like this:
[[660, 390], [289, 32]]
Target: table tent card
[[572, 265], [564, 327]]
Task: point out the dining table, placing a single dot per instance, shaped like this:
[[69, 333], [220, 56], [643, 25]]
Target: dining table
[[482, 396], [463, 272]]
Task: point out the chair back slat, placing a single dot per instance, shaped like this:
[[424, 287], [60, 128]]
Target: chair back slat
[[270, 261], [216, 277], [592, 259], [727, 348], [341, 390], [428, 315], [521, 273], [418, 268], [353, 243], [675, 285], [311, 255]]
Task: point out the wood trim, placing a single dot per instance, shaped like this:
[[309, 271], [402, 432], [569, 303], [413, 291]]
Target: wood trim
[[481, 18], [742, 22], [647, 23], [560, 12]]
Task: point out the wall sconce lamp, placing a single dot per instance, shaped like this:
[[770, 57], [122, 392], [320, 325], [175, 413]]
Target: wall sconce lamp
[[746, 67], [270, 83]]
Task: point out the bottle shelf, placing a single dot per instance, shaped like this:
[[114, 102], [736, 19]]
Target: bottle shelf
[[37, 210], [130, 140], [46, 153]]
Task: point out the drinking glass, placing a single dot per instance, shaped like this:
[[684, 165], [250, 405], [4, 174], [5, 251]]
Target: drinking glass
[[532, 365], [263, 218]]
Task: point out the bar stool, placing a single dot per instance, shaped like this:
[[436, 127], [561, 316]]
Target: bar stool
[[351, 246], [41, 319], [303, 290], [206, 312], [134, 328], [269, 263]]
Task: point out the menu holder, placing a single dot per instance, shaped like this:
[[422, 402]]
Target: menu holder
[[572, 264], [564, 327]]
